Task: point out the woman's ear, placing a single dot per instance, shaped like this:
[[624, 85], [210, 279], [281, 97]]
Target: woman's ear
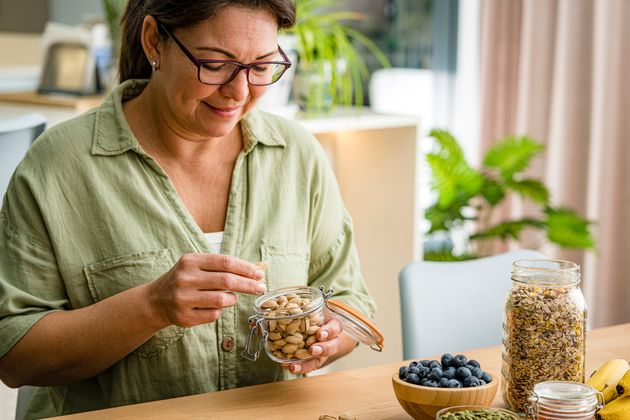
[[151, 41]]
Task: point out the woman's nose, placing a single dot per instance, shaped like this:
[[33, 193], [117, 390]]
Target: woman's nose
[[237, 88]]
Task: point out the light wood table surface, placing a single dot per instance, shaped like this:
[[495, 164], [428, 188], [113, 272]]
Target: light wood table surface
[[365, 393]]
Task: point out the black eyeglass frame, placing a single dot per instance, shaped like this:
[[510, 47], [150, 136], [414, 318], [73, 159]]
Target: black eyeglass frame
[[239, 66]]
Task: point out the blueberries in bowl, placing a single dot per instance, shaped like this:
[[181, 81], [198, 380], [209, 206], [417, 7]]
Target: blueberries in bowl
[[450, 372]]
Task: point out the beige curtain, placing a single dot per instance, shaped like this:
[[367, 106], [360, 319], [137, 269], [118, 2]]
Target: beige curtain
[[559, 70]]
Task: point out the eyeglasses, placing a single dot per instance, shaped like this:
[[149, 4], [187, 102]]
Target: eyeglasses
[[220, 72]]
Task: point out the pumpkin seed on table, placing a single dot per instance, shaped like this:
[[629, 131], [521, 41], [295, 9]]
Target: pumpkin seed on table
[[477, 414]]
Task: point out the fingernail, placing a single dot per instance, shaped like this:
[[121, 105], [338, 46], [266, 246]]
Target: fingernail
[[323, 335], [259, 274], [316, 350], [261, 288], [296, 369]]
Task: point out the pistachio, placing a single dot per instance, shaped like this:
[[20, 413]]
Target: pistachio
[[289, 348], [302, 354], [294, 339], [273, 336], [269, 304]]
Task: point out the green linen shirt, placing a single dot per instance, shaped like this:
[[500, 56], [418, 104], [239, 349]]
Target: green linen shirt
[[88, 214]]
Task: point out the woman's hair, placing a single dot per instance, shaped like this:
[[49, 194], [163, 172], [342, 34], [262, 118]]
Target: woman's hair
[[176, 14]]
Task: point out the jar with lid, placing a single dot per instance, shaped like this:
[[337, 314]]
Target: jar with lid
[[543, 328], [564, 400], [286, 322]]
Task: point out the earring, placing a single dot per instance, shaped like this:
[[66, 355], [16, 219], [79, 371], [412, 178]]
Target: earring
[[154, 65]]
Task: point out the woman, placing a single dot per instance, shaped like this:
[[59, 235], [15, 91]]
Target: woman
[[112, 287]]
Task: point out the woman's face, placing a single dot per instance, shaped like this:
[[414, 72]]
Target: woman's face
[[234, 33]]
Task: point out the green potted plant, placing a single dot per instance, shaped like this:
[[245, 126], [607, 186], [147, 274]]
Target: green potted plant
[[464, 194], [330, 68]]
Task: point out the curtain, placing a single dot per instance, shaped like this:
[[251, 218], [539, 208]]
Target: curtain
[[558, 70]]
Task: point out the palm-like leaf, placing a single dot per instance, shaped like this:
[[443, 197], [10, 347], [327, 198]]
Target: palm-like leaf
[[567, 229], [512, 155], [532, 189], [508, 229]]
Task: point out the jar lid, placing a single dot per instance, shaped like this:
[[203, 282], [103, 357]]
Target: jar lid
[[357, 325], [565, 395]]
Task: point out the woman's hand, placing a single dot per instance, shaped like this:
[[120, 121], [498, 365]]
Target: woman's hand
[[199, 286], [331, 345]]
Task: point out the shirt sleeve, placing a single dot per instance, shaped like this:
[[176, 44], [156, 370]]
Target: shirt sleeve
[[30, 283], [334, 260]]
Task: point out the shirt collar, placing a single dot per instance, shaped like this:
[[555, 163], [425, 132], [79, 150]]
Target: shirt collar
[[112, 135]]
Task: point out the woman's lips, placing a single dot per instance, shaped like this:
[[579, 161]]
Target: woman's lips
[[224, 112]]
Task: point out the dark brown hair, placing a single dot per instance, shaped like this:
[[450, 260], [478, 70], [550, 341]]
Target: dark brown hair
[[176, 14]]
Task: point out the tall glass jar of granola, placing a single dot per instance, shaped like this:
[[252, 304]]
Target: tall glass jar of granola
[[543, 328]]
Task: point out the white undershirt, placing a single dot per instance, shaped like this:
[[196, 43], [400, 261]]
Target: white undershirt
[[215, 241]]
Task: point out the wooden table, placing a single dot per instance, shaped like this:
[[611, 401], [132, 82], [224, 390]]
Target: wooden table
[[364, 393]]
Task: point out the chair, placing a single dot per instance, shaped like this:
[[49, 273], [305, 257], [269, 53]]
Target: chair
[[16, 136], [455, 306]]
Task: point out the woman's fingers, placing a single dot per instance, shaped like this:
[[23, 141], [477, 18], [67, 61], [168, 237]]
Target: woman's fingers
[[329, 330], [325, 348], [223, 264], [237, 275]]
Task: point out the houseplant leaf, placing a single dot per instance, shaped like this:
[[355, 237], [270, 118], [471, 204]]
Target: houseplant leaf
[[532, 189], [508, 229], [512, 155], [567, 229]]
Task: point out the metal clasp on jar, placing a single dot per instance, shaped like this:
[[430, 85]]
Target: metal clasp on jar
[[255, 327]]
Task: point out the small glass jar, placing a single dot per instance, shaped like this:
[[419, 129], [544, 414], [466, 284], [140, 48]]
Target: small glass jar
[[286, 322], [543, 328], [564, 400]]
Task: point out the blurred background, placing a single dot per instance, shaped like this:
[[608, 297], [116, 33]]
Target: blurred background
[[541, 84]]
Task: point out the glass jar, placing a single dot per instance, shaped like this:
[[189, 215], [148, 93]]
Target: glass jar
[[286, 322], [564, 400], [543, 328]]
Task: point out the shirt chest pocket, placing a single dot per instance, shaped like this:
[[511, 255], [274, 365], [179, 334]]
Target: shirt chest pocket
[[115, 275], [288, 265]]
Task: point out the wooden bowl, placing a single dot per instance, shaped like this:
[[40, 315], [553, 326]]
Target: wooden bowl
[[423, 402]]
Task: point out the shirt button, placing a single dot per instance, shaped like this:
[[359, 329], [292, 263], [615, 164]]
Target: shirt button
[[227, 344]]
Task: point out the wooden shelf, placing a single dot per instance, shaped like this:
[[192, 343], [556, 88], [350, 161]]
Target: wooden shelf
[[75, 103]]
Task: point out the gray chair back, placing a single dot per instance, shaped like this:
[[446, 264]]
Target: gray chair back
[[455, 306], [16, 136]]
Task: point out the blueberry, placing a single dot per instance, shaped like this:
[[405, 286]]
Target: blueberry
[[462, 373], [402, 372], [425, 363], [469, 367], [436, 374], [432, 384], [414, 363], [487, 378], [446, 360], [474, 363], [482, 382], [443, 383], [459, 361], [412, 378], [471, 381], [424, 381], [450, 373], [477, 372], [424, 372], [454, 383], [435, 364], [413, 369]]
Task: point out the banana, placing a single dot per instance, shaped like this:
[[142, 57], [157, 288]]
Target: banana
[[623, 387], [619, 409], [606, 378]]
